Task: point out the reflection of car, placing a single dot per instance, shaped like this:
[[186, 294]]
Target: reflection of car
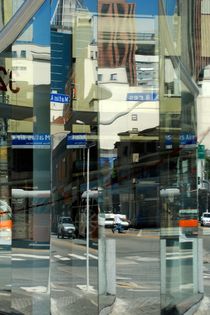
[[109, 220], [66, 228], [205, 219]]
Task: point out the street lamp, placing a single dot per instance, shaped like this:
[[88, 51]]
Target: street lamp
[[88, 146]]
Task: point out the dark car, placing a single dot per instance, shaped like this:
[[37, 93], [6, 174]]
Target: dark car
[[66, 228]]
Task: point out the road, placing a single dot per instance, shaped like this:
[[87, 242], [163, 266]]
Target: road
[[137, 274]]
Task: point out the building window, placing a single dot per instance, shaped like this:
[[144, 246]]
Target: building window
[[100, 77], [14, 54], [23, 54], [113, 76]]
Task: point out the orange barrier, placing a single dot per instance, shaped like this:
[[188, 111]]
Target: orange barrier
[[188, 223]]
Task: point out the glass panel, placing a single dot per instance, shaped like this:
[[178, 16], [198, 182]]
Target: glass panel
[[178, 180], [104, 175], [25, 153], [128, 155], [74, 245]]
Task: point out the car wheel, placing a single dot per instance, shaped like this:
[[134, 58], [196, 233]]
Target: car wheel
[[62, 235], [58, 235]]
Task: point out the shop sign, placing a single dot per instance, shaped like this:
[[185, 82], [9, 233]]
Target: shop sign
[[4, 74], [59, 98], [76, 141], [31, 141], [142, 97]]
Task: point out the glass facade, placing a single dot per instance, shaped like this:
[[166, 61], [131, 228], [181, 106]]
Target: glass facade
[[104, 156]]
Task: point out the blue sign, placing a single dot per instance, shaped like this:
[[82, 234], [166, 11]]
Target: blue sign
[[168, 141], [76, 141], [31, 141], [142, 97], [187, 139], [59, 98]]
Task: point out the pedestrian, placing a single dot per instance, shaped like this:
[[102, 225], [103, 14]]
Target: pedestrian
[[118, 223]]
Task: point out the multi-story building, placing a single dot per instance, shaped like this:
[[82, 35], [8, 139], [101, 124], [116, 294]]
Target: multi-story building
[[116, 36]]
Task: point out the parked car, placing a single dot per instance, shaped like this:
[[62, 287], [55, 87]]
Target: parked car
[[205, 219], [66, 228]]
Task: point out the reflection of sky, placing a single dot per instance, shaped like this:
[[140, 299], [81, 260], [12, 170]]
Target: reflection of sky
[[53, 5], [170, 6], [145, 7], [41, 25]]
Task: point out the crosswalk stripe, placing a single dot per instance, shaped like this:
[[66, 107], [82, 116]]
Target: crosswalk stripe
[[57, 256], [92, 256], [64, 258], [179, 257], [77, 256], [31, 256], [61, 257]]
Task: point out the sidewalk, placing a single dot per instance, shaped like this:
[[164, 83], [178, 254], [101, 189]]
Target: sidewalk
[[204, 307]]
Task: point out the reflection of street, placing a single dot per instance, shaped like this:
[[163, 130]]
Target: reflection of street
[[138, 273], [68, 277], [205, 232]]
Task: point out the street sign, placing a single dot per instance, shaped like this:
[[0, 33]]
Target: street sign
[[76, 141], [168, 141], [59, 98], [201, 151], [187, 139], [31, 141]]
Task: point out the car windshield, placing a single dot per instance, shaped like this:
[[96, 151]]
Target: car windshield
[[206, 215], [67, 220]]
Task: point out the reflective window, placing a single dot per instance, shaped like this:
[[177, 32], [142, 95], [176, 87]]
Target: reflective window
[[104, 156]]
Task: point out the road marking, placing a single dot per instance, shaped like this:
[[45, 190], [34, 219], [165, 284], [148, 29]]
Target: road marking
[[125, 262], [77, 256], [140, 233], [57, 256], [90, 288], [146, 259], [179, 257], [92, 256], [64, 258], [6, 256], [17, 259], [31, 256], [124, 278], [144, 290], [38, 289], [61, 257]]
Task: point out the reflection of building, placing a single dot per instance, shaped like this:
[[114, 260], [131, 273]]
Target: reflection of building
[[137, 169], [117, 36]]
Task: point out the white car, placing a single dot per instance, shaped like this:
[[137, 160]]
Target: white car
[[66, 228], [205, 219], [109, 220]]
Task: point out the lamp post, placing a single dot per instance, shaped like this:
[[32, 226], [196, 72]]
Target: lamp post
[[88, 146]]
